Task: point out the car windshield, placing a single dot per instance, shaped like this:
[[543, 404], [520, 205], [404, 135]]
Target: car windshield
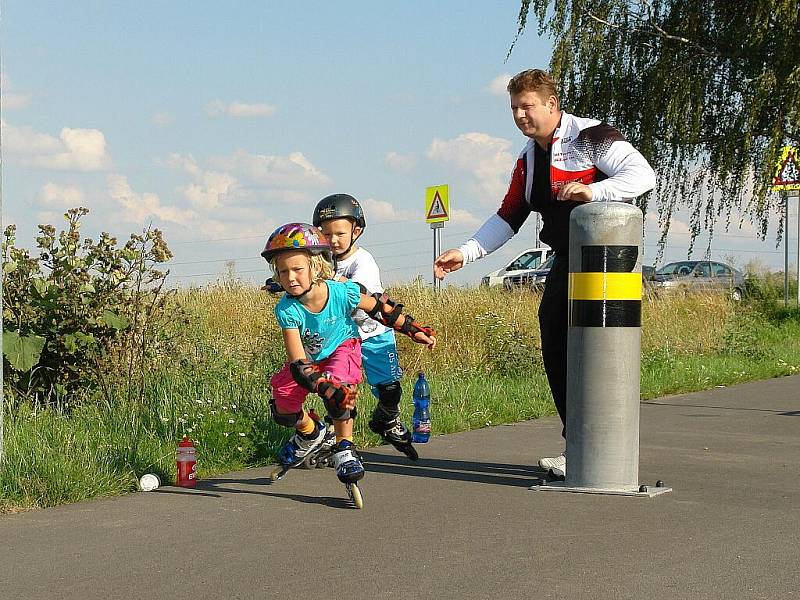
[[678, 268], [548, 264], [529, 260]]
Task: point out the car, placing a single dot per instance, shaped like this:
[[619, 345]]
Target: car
[[533, 279], [536, 278], [526, 261], [691, 276]]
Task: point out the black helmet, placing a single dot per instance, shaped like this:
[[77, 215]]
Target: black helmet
[[339, 206]]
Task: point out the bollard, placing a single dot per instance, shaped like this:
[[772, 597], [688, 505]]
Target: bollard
[[604, 351]]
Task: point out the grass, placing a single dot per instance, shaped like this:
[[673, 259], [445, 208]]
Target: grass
[[485, 371]]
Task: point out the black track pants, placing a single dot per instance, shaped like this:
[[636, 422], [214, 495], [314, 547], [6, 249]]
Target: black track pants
[[553, 327]]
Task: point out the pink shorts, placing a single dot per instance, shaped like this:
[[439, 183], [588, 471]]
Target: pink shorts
[[344, 364]]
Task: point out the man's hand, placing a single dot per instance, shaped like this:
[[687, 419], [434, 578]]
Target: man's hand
[[447, 261], [575, 191]]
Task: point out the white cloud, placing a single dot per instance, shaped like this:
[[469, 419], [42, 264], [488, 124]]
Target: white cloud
[[209, 189], [488, 159], [74, 149], [239, 109], [162, 118], [380, 211], [400, 162], [58, 196], [292, 172], [499, 85], [12, 100], [464, 218], [139, 207], [26, 141]]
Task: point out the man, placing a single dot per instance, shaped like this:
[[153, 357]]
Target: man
[[567, 161]]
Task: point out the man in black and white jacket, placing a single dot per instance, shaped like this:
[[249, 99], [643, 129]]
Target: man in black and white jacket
[[567, 161]]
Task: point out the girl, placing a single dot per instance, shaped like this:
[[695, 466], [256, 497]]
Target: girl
[[323, 346]]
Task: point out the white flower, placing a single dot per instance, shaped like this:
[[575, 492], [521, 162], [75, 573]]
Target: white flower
[[226, 434], [241, 434], [231, 421], [233, 406], [189, 430]]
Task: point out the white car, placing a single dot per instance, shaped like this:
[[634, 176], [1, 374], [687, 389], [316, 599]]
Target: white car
[[529, 260]]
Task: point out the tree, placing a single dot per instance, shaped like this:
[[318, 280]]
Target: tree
[[708, 90]]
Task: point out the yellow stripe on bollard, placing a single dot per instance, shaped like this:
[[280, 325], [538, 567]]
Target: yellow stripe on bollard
[[605, 286]]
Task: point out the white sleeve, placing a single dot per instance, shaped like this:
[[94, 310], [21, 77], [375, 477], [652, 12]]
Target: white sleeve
[[629, 174], [366, 272], [492, 234]]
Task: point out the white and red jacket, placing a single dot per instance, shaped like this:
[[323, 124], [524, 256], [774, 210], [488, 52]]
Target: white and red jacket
[[584, 150]]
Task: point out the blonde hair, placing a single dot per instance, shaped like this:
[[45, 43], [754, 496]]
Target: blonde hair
[[320, 267], [534, 80]]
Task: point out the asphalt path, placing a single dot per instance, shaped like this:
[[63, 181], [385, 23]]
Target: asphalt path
[[460, 523]]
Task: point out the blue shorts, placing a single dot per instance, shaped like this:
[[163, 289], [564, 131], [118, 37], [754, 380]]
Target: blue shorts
[[379, 358]]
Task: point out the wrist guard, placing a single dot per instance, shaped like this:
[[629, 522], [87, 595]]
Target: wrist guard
[[306, 374], [386, 312], [410, 327], [336, 396], [339, 398]]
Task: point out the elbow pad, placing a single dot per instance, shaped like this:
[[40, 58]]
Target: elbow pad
[[386, 310]]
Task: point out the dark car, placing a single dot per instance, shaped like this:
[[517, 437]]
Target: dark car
[[691, 276], [536, 279]]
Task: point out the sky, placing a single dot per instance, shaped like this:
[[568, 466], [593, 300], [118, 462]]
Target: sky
[[217, 122]]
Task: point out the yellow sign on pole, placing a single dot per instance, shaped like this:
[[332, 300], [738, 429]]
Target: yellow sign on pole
[[437, 204], [787, 171]]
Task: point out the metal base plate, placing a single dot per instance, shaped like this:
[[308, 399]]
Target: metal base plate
[[560, 486]]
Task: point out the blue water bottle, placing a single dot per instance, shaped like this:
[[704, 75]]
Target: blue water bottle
[[422, 418]]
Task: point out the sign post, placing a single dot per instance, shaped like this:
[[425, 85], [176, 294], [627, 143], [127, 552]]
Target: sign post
[[437, 211], [787, 179]]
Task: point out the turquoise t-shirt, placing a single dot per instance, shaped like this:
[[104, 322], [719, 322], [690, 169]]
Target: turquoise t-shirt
[[324, 331]]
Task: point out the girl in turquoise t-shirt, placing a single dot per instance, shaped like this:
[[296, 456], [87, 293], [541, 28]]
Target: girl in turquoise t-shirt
[[323, 347]]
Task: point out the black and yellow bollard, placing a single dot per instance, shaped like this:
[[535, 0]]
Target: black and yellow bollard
[[604, 351]]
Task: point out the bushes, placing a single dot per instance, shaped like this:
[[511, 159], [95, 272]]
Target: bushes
[[75, 305]]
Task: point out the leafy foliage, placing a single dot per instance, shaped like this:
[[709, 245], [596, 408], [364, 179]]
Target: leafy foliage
[[67, 310], [709, 91]]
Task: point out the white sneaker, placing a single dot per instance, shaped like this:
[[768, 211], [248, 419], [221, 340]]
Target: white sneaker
[[554, 461], [560, 470]]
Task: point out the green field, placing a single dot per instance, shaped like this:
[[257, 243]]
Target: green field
[[486, 370]]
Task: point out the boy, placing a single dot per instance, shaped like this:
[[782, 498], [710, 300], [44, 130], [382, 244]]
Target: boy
[[341, 219]]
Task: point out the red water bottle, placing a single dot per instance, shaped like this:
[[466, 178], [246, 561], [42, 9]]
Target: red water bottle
[[186, 463]]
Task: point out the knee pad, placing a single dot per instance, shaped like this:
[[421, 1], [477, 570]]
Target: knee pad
[[333, 402], [289, 420], [389, 394]]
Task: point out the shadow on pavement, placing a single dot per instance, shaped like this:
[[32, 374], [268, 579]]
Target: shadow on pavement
[[779, 412], [457, 470], [215, 488]]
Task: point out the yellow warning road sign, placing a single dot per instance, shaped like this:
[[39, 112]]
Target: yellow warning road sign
[[787, 171], [437, 204]]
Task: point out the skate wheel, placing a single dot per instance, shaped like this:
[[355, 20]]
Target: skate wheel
[[310, 462], [277, 474], [412, 453], [355, 495]]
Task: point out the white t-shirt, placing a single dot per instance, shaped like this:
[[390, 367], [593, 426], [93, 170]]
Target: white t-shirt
[[362, 268]]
